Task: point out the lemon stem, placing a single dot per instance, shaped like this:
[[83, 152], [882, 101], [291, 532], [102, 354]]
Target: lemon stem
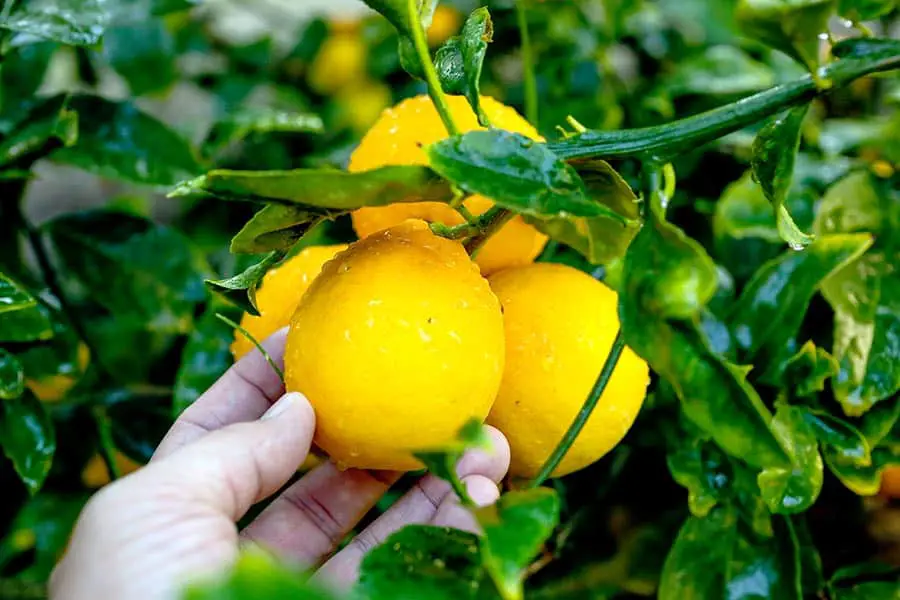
[[584, 414], [431, 77], [253, 341], [528, 79], [488, 224]]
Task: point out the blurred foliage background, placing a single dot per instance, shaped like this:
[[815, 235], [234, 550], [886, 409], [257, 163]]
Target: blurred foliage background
[[168, 96]]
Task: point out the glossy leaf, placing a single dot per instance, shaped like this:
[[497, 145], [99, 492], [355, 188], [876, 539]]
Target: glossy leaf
[[397, 12], [21, 320], [702, 468], [139, 419], [841, 441], [48, 126], [143, 53], [132, 266], [515, 528], [238, 126], [807, 371], [206, 356], [867, 581], [794, 488], [27, 438], [516, 173], [864, 480], [441, 462], [864, 10], [118, 141], [774, 154], [791, 26], [240, 289], [277, 228], [257, 575], [52, 368], [424, 562], [477, 33], [12, 376], [73, 22], [770, 310]]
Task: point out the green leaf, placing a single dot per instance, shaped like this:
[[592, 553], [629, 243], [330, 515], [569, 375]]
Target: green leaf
[[599, 239], [132, 266], [515, 172], [240, 289], [53, 367], [206, 356], [792, 26], [515, 528], [27, 438], [841, 441], [701, 467], [770, 310], [774, 154], [12, 377], [719, 70], [397, 12], [423, 561], [807, 371], [118, 141], [449, 64], [441, 462], [21, 320], [138, 420], [793, 489], [47, 126], [459, 60], [143, 53], [257, 575], [865, 10], [276, 228], [867, 581], [24, 68], [73, 22], [242, 124]]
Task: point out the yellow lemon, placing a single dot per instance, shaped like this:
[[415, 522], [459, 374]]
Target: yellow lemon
[[340, 62], [54, 387], [397, 344], [96, 475], [445, 22], [279, 295], [360, 105], [397, 139], [890, 481], [560, 325]]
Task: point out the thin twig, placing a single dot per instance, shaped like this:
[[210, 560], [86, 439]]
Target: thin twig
[[488, 224], [431, 77], [255, 342]]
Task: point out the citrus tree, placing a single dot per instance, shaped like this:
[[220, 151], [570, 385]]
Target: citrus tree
[[670, 280]]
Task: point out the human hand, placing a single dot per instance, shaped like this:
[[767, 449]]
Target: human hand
[[173, 522]]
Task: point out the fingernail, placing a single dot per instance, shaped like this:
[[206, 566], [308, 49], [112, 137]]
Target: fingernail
[[482, 491], [282, 406]]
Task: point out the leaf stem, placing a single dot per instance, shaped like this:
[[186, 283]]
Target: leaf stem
[[584, 414], [255, 342], [431, 77], [528, 77], [488, 224], [107, 446]]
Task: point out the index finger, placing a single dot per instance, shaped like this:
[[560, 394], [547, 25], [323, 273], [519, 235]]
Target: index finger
[[243, 393]]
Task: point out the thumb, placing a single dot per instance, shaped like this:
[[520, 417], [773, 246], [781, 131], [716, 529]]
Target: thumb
[[234, 467]]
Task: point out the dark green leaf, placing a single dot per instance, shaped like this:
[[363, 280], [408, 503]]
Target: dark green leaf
[[791, 26], [422, 561], [702, 468], [516, 173], [720, 70], [118, 141], [206, 356], [73, 22], [841, 441], [450, 66], [794, 488], [864, 10], [139, 419], [770, 310], [774, 154], [515, 528], [867, 581], [27, 438], [477, 33], [258, 575], [48, 126], [323, 188], [442, 461], [132, 266], [21, 320], [53, 367], [864, 481], [237, 126], [143, 53], [23, 72], [12, 377], [276, 228], [807, 371], [240, 289]]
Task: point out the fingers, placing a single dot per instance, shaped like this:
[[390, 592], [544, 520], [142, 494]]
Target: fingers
[[309, 519], [243, 393], [428, 499]]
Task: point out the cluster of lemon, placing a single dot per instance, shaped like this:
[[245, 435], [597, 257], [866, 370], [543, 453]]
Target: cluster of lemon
[[399, 339]]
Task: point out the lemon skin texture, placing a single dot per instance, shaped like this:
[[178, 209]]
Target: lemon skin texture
[[280, 293], [560, 326], [397, 138], [397, 344]]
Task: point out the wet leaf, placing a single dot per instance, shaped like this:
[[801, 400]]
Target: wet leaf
[[28, 439], [139, 419], [73, 22], [240, 289], [21, 320], [774, 154], [460, 59], [52, 368], [841, 441], [807, 371], [866, 581], [47, 126], [864, 10], [12, 376], [441, 462], [864, 481], [515, 528], [516, 173], [423, 562], [134, 267], [238, 126], [118, 141], [792, 26], [794, 488], [702, 468], [770, 310], [277, 228]]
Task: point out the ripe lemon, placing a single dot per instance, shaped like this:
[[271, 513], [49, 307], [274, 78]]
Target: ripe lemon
[[397, 344], [280, 293], [560, 325], [95, 475], [445, 22], [397, 139], [53, 387], [340, 62], [890, 482]]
